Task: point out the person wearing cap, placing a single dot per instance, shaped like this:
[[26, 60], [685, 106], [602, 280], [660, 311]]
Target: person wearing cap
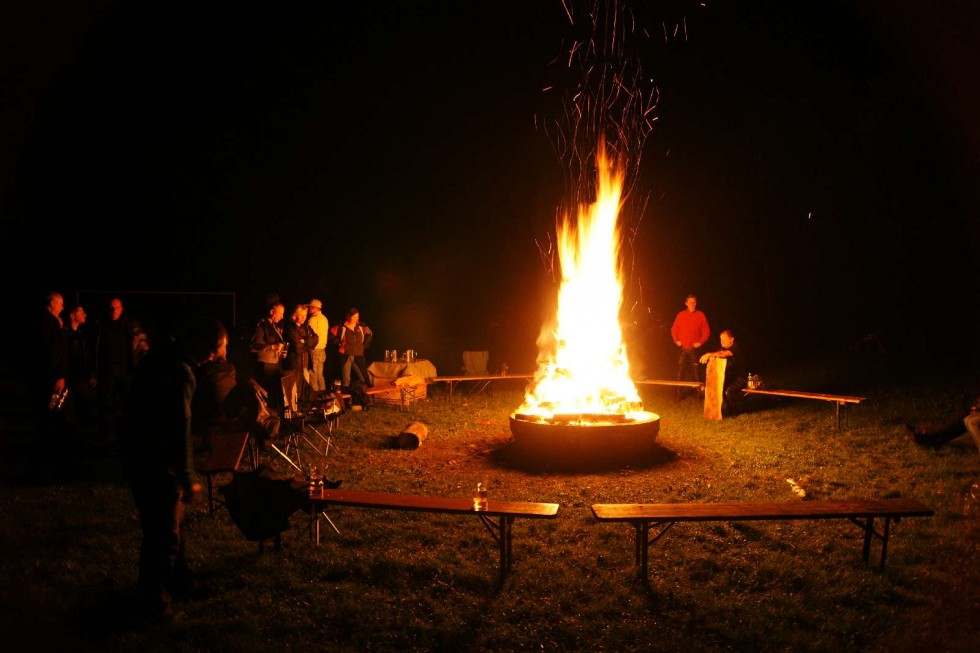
[[320, 325]]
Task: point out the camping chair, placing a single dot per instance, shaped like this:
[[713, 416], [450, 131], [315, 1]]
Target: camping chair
[[292, 425], [475, 363], [227, 450]]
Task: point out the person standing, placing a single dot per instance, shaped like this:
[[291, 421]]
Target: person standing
[[268, 346], [353, 339], [689, 332], [50, 378], [318, 355], [156, 449], [81, 372], [114, 365], [299, 339]]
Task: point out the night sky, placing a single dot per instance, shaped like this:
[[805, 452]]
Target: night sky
[[812, 174]]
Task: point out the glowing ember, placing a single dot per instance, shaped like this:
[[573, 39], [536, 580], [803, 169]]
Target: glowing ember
[[583, 372]]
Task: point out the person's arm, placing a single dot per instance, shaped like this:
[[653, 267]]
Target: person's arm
[[705, 331], [721, 353]]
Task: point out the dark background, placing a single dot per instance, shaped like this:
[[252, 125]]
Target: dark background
[[812, 174]]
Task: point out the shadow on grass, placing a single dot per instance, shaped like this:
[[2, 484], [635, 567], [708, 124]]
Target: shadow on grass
[[25, 462], [514, 455]]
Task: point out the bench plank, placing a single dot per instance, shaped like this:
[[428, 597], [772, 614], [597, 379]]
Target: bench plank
[[500, 529], [840, 401], [643, 515], [755, 511], [385, 501], [680, 384], [845, 399]]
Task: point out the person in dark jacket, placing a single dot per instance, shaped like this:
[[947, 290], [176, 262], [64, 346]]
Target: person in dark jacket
[[735, 377], [82, 402], [50, 378], [300, 340], [157, 457], [114, 361], [353, 339], [268, 347]]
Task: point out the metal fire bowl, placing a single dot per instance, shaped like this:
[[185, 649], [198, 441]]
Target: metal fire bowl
[[568, 446]]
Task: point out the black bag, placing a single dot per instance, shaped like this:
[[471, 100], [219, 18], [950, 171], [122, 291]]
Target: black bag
[[358, 393], [261, 502]]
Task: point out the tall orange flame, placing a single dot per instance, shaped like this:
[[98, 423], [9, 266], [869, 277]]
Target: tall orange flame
[[582, 362]]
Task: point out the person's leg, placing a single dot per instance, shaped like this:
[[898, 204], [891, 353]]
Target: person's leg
[[155, 497], [681, 371], [345, 372], [358, 370], [936, 435], [181, 580], [318, 358], [972, 422]]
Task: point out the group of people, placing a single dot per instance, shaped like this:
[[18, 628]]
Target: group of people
[[145, 390], [298, 358], [157, 398], [85, 374], [690, 332]]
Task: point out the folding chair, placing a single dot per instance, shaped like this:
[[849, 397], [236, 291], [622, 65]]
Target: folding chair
[[226, 454], [475, 363], [291, 425]]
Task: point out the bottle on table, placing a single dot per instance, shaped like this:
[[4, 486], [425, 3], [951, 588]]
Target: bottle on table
[[480, 497]]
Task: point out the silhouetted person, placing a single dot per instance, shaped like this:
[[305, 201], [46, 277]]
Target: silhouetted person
[[114, 364], [82, 398], [50, 380], [155, 445]]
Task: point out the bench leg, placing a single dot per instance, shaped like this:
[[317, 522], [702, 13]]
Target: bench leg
[[210, 481], [642, 549], [869, 529], [314, 533], [502, 532], [641, 545], [884, 544]]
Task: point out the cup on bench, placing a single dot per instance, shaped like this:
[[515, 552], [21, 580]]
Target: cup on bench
[[480, 497]]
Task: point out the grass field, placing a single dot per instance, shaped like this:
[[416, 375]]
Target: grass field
[[404, 581]]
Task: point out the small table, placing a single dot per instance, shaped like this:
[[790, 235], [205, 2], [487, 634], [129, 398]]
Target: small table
[[420, 367], [451, 381]]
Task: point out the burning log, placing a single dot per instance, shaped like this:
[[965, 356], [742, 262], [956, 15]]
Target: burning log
[[577, 418]]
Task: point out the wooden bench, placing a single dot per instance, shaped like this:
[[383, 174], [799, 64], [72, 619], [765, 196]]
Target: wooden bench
[[452, 381], [679, 384], [643, 515], [402, 395], [840, 401], [501, 530]]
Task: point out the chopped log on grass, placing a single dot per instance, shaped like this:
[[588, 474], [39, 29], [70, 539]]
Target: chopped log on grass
[[412, 436]]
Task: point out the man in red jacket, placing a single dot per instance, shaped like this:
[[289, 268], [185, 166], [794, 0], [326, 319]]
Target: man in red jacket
[[689, 332]]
